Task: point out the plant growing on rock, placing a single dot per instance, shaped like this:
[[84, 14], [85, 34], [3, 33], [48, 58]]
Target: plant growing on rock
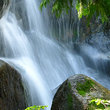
[[36, 107], [99, 104]]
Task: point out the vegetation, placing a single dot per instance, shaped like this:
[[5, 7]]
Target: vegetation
[[70, 101], [69, 98], [36, 107], [99, 104], [86, 8], [85, 87]]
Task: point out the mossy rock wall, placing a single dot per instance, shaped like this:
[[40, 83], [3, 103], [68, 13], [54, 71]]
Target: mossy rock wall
[[77, 92]]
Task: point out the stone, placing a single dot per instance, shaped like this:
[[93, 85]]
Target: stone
[[4, 4], [11, 89], [77, 92]]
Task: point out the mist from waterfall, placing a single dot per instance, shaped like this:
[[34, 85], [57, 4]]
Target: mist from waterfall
[[42, 62]]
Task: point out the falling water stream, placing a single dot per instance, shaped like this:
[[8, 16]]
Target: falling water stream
[[41, 61]]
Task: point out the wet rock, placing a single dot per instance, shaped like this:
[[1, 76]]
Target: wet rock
[[100, 41], [3, 6], [77, 92], [11, 89]]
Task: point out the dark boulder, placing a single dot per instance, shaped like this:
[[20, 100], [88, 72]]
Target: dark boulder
[[11, 89], [77, 92]]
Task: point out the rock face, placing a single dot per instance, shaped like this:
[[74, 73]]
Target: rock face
[[11, 89], [77, 92], [3, 6]]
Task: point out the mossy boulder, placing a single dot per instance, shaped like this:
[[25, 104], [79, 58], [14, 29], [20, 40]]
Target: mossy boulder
[[77, 92], [11, 89]]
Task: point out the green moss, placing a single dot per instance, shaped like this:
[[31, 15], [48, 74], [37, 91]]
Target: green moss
[[84, 87], [69, 98], [69, 85], [70, 101]]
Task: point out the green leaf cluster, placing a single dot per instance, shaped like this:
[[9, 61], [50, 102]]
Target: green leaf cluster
[[100, 104], [58, 6], [89, 8], [86, 8], [44, 4], [36, 107]]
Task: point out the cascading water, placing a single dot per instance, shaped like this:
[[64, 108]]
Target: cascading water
[[42, 63]]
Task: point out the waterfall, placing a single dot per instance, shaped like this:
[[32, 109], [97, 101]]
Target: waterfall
[[41, 61]]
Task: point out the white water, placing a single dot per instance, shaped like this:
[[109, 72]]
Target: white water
[[43, 64]]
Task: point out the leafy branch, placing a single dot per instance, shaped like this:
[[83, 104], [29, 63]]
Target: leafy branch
[[36, 107], [87, 8]]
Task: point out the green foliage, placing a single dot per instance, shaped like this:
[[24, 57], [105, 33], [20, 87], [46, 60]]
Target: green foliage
[[90, 7], [58, 6], [86, 8], [99, 104], [44, 3], [85, 87], [36, 107]]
